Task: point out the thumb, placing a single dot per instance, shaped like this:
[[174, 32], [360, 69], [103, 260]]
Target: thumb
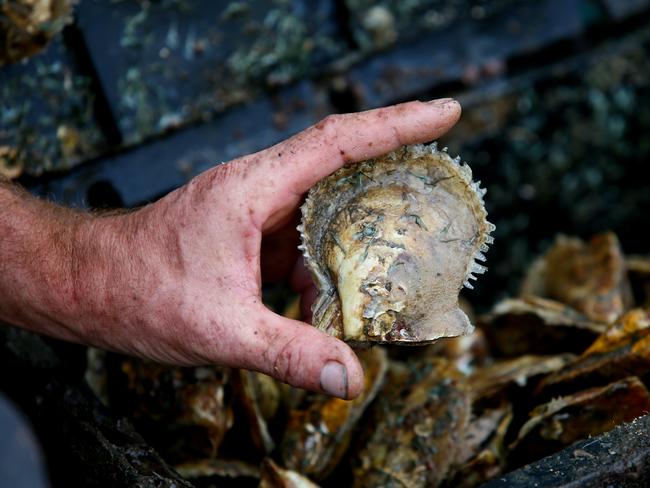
[[301, 355]]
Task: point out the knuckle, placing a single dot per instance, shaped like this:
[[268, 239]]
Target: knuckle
[[218, 176], [397, 136], [383, 113], [287, 362], [200, 186], [333, 119], [329, 123]]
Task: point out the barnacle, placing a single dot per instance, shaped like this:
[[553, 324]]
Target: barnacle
[[390, 243]]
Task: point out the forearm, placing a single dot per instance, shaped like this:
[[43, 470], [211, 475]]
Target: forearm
[[37, 288], [58, 267]]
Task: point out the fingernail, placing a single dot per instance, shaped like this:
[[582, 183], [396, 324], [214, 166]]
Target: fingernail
[[334, 379], [439, 102]]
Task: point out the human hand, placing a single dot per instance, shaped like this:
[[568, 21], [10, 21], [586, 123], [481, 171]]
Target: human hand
[[179, 281]]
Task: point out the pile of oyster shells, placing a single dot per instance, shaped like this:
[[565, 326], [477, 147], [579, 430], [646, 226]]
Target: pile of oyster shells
[[567, 359]]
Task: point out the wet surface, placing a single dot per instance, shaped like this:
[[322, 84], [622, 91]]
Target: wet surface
[[135, 98], [166, 64], [619, 458]]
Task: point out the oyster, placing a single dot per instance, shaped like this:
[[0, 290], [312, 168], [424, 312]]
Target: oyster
[[318, 433], [589, 276], [390, 243], [218, 470], [258, 399], [564, 420], [418, 424], [184, 413], [533, 325], [638, 270], [483, 450], [624, 350], [11, 165], [496, 379], [467, 353]]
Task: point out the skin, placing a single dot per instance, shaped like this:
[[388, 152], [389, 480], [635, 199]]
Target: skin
[[178, 281]]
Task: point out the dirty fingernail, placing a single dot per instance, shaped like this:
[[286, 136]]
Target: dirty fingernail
[[334, 379], [441, 101]]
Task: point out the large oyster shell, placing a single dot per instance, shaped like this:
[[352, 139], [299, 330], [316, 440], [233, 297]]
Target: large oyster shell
[[390, 243]]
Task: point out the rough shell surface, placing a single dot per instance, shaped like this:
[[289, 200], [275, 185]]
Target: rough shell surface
[[415, 429], [390, 243]]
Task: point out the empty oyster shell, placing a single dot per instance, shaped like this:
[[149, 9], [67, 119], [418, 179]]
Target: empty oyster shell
[[624, 350], [587, 413], [533, 325], [390, 243], [589, 276]]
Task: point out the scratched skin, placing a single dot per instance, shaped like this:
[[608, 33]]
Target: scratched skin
[[178, 281]]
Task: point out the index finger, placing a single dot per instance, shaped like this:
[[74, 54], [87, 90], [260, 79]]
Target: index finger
[[296, 164]]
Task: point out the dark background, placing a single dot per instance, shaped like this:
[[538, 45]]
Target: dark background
[[136, 97]]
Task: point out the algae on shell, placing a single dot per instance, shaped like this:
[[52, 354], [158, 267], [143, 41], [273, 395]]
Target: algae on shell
[[390, 243]]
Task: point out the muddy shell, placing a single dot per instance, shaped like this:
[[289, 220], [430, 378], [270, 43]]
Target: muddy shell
[[184, 412], [638, 270], [496, 379], [218, 470], [483, 454], [467, 353], [258, 397], [390, 243]]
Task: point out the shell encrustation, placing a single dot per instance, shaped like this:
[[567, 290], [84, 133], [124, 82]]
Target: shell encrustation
[[390, 243]]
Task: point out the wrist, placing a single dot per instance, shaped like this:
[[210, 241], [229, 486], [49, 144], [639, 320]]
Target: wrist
[[100, 277], [60, 278], [120, 281], [112, 281]]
